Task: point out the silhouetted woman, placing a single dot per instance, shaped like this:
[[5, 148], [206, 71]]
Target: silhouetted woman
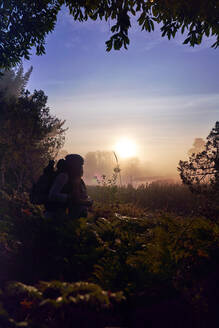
[[68, 191]]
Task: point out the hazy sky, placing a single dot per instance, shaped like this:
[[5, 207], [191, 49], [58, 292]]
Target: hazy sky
[[160, 93]]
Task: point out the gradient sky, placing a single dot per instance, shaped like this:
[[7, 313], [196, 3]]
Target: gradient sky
[[159, 93]]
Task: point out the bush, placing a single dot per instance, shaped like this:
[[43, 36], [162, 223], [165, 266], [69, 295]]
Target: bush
[[82, 303]]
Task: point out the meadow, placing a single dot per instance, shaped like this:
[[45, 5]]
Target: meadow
[[144, 257]]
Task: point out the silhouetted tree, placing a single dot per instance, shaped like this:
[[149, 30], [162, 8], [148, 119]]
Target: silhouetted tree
[[201, 171], [25, 24], [29, 135]]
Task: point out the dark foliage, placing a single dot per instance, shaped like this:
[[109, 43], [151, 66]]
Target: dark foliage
[[29, 135], [158, 262], [201, 171], [25, 24]]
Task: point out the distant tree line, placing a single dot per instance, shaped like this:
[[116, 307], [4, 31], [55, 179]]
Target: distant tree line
[[99, 163]]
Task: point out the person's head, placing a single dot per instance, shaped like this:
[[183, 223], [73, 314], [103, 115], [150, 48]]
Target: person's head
[[74, 165]]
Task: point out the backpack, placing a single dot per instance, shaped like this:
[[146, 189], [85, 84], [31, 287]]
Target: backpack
[[40, 190], [39, 193]]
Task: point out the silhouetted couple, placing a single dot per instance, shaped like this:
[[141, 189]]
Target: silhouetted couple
[[68, 194]]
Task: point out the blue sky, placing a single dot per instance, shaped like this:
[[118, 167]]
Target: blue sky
[[159, 93]]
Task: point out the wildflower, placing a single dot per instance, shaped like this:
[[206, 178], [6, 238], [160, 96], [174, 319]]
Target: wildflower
[[117, 169], [26, 304], [26, 211], [109, 293], [117, 241]]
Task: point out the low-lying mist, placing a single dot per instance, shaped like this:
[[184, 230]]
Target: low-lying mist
[[133, 170]]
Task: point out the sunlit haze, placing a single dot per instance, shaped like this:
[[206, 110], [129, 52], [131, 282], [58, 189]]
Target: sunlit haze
[[159, 93]]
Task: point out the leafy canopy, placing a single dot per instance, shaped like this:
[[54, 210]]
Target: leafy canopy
[[25, 24]]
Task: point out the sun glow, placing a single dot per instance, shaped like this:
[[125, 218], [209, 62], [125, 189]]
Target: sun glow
[[126, 148]]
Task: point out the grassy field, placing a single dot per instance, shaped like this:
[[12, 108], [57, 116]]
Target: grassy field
[[171, 198]]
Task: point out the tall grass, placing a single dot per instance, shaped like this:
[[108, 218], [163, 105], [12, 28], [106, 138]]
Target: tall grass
[[175, 198]]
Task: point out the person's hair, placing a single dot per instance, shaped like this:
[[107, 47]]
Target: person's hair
[[74, 163], [61, 165], [74, 158]]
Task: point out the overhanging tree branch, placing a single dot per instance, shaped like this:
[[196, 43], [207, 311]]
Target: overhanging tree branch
[[25, 24]]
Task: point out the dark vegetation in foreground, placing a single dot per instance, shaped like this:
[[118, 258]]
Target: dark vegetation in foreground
[[128, 264]]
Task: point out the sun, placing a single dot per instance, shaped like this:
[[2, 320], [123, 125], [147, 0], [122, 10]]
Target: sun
[[125, 148]]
